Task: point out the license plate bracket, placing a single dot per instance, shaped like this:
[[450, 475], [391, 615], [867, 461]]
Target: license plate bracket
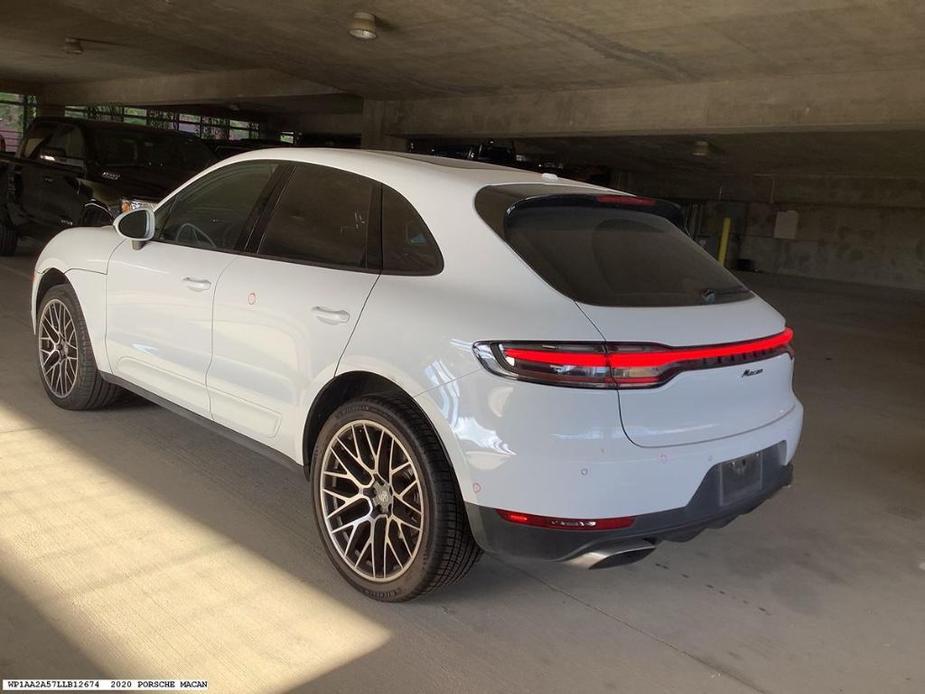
[[740, 479]]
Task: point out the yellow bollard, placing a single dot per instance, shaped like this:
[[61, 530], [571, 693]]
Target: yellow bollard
[[724, 241]]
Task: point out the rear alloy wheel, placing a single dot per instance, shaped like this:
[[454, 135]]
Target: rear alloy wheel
[[371, 498], [65, 355], [386, 501]]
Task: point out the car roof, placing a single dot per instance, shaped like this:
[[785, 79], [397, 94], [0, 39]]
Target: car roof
[[399, 169]]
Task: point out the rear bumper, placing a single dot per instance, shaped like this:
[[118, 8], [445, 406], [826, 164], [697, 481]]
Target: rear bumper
[[563, 453], [703, 511]]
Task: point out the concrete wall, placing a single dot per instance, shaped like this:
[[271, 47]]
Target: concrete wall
[[851, 229], [872, 245]]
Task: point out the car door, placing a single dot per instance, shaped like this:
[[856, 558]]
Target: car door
[[159, 309], [27, 187], [283, 315], [62, 157]]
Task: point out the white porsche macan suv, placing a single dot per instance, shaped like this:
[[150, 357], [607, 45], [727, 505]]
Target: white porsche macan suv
[[462, 356]]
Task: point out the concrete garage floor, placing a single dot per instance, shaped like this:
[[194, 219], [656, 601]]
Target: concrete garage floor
[[134, 543]]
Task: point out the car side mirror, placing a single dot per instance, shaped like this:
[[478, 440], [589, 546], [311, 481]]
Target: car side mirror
[[55, 154], [136, 225]]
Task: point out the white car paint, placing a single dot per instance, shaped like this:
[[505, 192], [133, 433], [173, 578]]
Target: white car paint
[[279, 330], [251, 352], [159, 319]]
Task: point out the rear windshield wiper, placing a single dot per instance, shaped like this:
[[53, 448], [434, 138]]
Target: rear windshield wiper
[[709, 295]]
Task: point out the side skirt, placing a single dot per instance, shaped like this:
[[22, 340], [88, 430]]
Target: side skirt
[[215, 427]]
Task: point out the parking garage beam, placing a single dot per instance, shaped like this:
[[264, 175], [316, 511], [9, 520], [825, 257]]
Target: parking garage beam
[[851, 101]]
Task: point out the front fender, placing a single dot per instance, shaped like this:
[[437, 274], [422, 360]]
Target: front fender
[[82, 255], [80, 248]]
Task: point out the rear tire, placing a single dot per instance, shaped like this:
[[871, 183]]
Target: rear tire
[[393, 524], [66, 362], [9, 239]]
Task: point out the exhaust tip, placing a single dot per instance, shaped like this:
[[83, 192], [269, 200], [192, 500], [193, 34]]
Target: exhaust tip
[[617, 554]]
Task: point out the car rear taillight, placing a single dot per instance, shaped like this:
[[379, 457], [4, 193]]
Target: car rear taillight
[[619, 365], [566, 523]]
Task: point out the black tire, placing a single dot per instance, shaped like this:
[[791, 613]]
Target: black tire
[[89, 391], [94, 215], [446, 550], [9, 239]]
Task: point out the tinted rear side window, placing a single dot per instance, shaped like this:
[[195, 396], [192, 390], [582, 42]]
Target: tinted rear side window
[[606, 254], [322, 217], [407, 245]]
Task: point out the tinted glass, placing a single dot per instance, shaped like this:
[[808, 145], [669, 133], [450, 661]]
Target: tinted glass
[[116, 147], [322, 217], [214, 212], [608, 255], [407, 246], [68, 139], [37, 133]]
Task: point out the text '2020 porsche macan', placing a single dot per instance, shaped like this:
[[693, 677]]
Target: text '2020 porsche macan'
[[463, 357]]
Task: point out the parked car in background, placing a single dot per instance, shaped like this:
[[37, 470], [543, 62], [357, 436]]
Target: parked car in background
[[341, 141], [489, 152], [462, 356], [71, 172], [228, 148]]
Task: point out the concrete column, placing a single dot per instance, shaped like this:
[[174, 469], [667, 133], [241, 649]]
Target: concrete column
[[377, 116]]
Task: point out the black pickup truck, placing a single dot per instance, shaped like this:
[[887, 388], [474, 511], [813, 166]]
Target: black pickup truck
[[71, 172]]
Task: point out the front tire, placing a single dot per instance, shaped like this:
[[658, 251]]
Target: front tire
[[386, 502], [66, 362], [9, 239]]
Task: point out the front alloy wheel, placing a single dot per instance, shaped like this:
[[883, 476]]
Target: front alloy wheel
[[58, 355], [386, 501], [65, 355]]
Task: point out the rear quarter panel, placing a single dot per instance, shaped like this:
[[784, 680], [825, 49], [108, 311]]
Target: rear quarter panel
[[418, 331]]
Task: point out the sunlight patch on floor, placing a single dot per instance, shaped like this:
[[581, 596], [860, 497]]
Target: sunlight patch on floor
[[150, 592]]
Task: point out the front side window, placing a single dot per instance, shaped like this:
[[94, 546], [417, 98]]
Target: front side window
[[215, 212], [322, 217], [39, 132], [67, 145], [407, 245]]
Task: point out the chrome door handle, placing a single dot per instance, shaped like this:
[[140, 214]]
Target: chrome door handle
[[196, 285], [330, 316]]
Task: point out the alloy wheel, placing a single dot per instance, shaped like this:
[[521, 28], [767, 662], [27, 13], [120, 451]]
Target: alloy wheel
[[372, 501], [58, 354]]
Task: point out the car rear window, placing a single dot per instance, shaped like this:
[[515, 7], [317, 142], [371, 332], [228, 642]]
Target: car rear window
[[606, 249], [116, 147]]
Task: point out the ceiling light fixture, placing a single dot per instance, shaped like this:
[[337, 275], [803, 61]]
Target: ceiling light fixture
[[72, 46], [363, 26]]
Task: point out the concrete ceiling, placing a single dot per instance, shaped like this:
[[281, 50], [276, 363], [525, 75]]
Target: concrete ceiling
[[446, 47], [32, 41]]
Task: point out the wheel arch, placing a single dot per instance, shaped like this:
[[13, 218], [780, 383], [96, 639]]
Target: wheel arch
[[52, 277], [90, 289], [348, 386]]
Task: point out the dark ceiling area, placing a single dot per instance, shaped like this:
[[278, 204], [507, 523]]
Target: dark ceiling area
[[886, 154]]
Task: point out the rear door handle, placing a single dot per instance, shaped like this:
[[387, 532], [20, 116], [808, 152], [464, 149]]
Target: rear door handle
[[330, 316], [196, 285]]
